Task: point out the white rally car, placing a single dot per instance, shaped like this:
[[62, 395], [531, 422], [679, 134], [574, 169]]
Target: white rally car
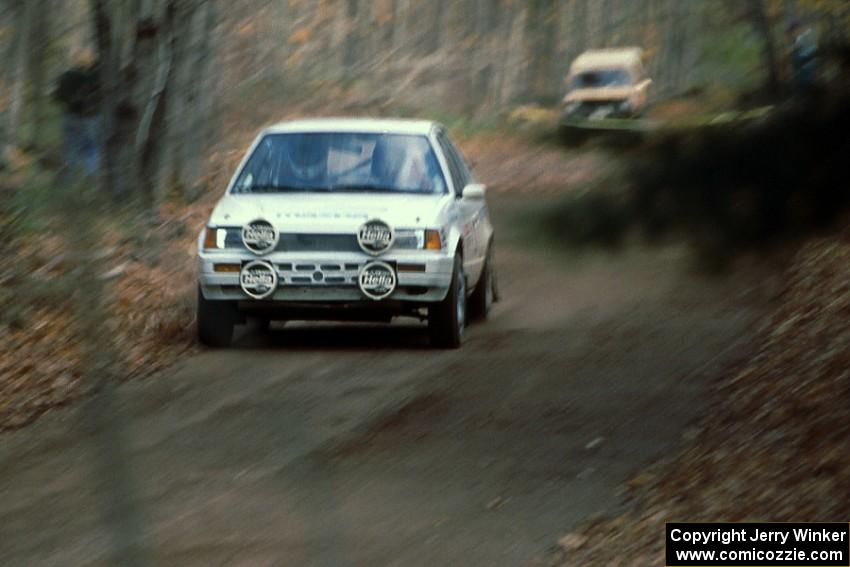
[[348, 219]]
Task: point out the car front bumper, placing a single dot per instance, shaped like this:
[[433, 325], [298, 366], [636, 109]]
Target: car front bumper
[[590, 111], [329, 277]]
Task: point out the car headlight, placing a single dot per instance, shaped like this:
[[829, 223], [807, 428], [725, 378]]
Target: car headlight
[[214, 238], [625, 106], [418, 239]]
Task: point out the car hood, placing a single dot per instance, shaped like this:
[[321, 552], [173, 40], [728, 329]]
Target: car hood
[[324, 212], [600, 94]]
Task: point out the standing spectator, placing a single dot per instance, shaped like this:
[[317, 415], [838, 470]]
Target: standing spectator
[[804, 48], [78, 93]]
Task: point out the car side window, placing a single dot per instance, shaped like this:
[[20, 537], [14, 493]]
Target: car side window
[[457, 170]]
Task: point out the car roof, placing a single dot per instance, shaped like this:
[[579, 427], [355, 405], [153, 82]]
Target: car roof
[[358, 125], [629, 57]]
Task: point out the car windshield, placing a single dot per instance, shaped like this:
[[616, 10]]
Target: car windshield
[[602, 78], [342, 162]]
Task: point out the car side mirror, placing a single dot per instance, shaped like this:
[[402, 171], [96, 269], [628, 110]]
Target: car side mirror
[[474, 192]]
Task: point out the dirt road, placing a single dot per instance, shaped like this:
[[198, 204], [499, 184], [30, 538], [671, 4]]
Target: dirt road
[[319, 445]]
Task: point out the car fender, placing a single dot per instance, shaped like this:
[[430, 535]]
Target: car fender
[[454, 239], [199, 241]]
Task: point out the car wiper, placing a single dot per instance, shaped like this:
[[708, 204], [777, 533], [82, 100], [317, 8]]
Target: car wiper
[[283, 189], [365, 188]]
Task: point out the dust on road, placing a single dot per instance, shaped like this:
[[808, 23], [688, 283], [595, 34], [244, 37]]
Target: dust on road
[[358, 445]]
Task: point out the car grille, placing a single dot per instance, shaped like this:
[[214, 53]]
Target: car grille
[[294, 242], [324, 273], [318, 243]]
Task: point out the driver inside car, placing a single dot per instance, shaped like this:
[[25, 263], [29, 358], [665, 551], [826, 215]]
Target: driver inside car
[[307, 159]]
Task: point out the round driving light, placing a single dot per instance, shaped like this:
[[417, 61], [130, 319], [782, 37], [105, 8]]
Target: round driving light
[[375, 237], [377, 280], [259, 236], [258, 279]]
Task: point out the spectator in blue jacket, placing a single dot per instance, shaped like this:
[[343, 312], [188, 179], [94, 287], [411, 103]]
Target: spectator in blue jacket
[[804, 50], [77, 91]]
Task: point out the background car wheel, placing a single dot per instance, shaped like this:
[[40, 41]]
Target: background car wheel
[[446, 320], [485, 293], [216, 320]]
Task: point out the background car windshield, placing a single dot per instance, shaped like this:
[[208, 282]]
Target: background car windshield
[[602, 78], [342, 162]]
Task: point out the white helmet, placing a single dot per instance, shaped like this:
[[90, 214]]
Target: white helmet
[[308, 156]]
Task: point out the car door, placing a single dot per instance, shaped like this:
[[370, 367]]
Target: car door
[[472, 213]]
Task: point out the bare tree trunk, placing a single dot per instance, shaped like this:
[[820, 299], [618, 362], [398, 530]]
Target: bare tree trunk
[[152, 127], [790, 9], [581, 23], [564, 41], [7, 72], [352, 40], [388, 29], [488, 32], [134, 94], [435, 33], [202, 130], [39, 38], [653, 41], [607, 22], [400, 33], [692, 18], [541, 32], [108, 79], [643, 22], [667, 45], [514, 59], [676, 43], [23, 20], [595, 25], [137, 80], [761, 23], [180, 98]]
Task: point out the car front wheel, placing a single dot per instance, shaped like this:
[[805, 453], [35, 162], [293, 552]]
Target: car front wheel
[[216, 320], [486, 292], [446, 319]]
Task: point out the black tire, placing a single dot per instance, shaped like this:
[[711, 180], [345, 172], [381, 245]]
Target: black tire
[[486, 292], [216, 320], [447, 319], [262, 324]]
